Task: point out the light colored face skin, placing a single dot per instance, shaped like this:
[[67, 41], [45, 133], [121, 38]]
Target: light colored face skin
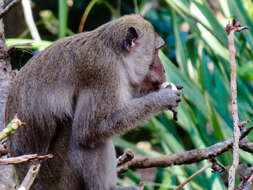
[[143, 66]]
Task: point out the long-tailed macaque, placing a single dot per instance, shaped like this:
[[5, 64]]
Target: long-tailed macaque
[[80, 92]]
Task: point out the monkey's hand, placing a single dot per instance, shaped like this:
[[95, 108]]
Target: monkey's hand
[[170, 97]]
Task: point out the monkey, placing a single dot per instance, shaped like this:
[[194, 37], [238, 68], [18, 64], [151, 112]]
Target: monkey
[[80, 92]]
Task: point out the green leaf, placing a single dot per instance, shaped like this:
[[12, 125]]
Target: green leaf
[[246, 71], [34, 44], [63, 17]]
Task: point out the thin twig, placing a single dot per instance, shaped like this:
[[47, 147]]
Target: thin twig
[[8, 7], [126, 157], [193, 176], [14, 47], [187, 157], [246, 145], [231, 29], [30, 21], [30, 177], [24, 158], [247, 182], [11, 127]]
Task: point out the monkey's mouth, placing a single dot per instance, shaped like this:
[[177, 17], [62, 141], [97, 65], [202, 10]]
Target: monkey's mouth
[[156, 86]]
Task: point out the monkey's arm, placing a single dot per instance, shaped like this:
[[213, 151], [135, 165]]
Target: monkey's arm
[[138, 109], [129, 116]]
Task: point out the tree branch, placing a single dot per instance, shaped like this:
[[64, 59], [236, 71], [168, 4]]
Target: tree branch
[[24, 158], [6, 74], [193, 176], [187, 157], [30, 177], [231, 29], [11, 127], [126, 157]]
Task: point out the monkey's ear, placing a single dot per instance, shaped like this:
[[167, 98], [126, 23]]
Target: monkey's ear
[[129, 43]]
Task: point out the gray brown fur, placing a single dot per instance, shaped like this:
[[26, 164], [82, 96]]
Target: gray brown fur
[[79, 93]]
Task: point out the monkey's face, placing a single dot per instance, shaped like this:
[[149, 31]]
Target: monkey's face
[[143, 66]]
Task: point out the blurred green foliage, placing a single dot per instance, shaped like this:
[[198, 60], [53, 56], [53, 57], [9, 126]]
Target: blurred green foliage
[[196, 57]]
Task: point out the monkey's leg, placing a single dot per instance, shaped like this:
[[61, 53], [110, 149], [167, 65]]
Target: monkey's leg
[[96, 166]]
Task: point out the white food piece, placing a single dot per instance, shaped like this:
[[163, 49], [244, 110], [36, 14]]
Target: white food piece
[[22, 188], [169, 85]]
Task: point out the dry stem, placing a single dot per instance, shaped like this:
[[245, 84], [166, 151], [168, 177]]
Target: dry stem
[[193, 176], [24, 158], [30, 177], [231, 29]]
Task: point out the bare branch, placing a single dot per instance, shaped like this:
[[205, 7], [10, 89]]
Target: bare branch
[[193, 176], [126, 157], [231, 29], [24, 158], [26, 4], [247, 182], [6, 76], [187, 157], [21, 45], [8, 7], [30, 177]]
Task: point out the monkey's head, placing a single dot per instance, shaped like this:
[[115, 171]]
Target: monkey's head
[[138, 47]]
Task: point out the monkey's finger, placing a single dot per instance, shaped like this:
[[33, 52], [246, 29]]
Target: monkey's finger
[[179, 99], [174, 110], [179, 87], [178, 93]]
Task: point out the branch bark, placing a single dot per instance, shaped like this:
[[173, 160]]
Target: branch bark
[[24, 158], [193, 176], [6, 172], [187, 157], [30, 177], [231, 29]]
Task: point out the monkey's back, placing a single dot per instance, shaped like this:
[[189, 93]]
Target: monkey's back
[[43, 96], [76, 77]]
